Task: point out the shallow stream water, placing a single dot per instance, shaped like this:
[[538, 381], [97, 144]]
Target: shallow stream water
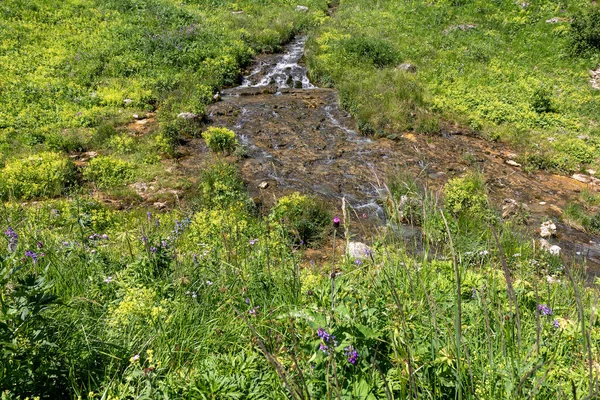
[[299, 139]]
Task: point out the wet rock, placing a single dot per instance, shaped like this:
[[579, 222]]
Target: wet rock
[[512, 207], [263, 185], [436, 175], [160, 205], [408, 67], [127, 102], [512, 163], [459, 27], [187, 115], [302, 8], [595, 78], [550, 248], [581, 178], [217, 97], [358, 250], [547, 229]]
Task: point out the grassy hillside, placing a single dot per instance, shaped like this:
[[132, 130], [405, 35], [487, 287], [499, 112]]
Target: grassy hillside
[[213, 299], [214, 302], [496, 66], [74, 72]]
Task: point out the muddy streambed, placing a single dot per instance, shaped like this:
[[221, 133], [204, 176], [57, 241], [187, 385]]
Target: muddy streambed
[[299, 139]]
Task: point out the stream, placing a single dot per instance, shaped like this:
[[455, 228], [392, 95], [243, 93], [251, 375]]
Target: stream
[[299, 139]]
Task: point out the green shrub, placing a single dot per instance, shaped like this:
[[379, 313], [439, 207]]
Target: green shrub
[[45, 174], [585, 32], [303, 218], [220, 140], [580, 151], [221, 185], [108, 172], [541, 101], [379, 52], [466, 195]]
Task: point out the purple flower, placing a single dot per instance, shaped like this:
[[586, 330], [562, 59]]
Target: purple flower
[[149, 214], [352, 354], [336, 222], [153, 249], [326, 337], [13, 239], [40, 245], [108, 279], [555, 324], [33, 256], [253, 242], [544, 309], [324, 348], [358, 261], [105, 236], [253, 310], [247, 301], [144, 239]]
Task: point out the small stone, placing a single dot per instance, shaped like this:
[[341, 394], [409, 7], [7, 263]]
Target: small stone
[[302, 8], [512, 207], [552, 249], [358, 250], [160, 205], [217, 97], [127, 102], [408, 67], [581, 178], [187, 115], [542, 203], [513, 163], [263, 185], [591, 171], [547, 229], [237, 12], [556, 20]]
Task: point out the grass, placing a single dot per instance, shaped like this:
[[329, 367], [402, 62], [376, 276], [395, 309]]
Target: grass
[[495, 66], [212, 300], [216, 302]]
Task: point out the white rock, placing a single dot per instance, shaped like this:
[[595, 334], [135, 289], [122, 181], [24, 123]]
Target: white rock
[[513, 163], [581, 178], [127, 102], [217, 97], [547, 229], [358, 250], [408, 67], [302, 8], [187, 115], [550, 248], [263, 185]]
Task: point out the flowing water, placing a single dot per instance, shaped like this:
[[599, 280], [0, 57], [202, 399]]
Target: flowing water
[[299, 139]]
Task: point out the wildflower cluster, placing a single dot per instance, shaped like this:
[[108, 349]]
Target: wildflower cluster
[[34, 256], [352, 355], [544, 309], [13, 239], [95, 237], [327, 341]]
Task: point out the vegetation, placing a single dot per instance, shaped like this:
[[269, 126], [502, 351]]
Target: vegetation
[[220, 140], [214, 302], [219, 299], [496, 66]]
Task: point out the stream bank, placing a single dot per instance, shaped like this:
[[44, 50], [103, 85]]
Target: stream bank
[[299, 139]]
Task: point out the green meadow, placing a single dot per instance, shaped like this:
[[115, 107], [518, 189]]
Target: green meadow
[[214, 297]]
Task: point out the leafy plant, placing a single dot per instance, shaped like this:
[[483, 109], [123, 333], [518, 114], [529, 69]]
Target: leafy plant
[[220, 140], [584, 35], [108, 172], [46, 174], [302, 218]]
